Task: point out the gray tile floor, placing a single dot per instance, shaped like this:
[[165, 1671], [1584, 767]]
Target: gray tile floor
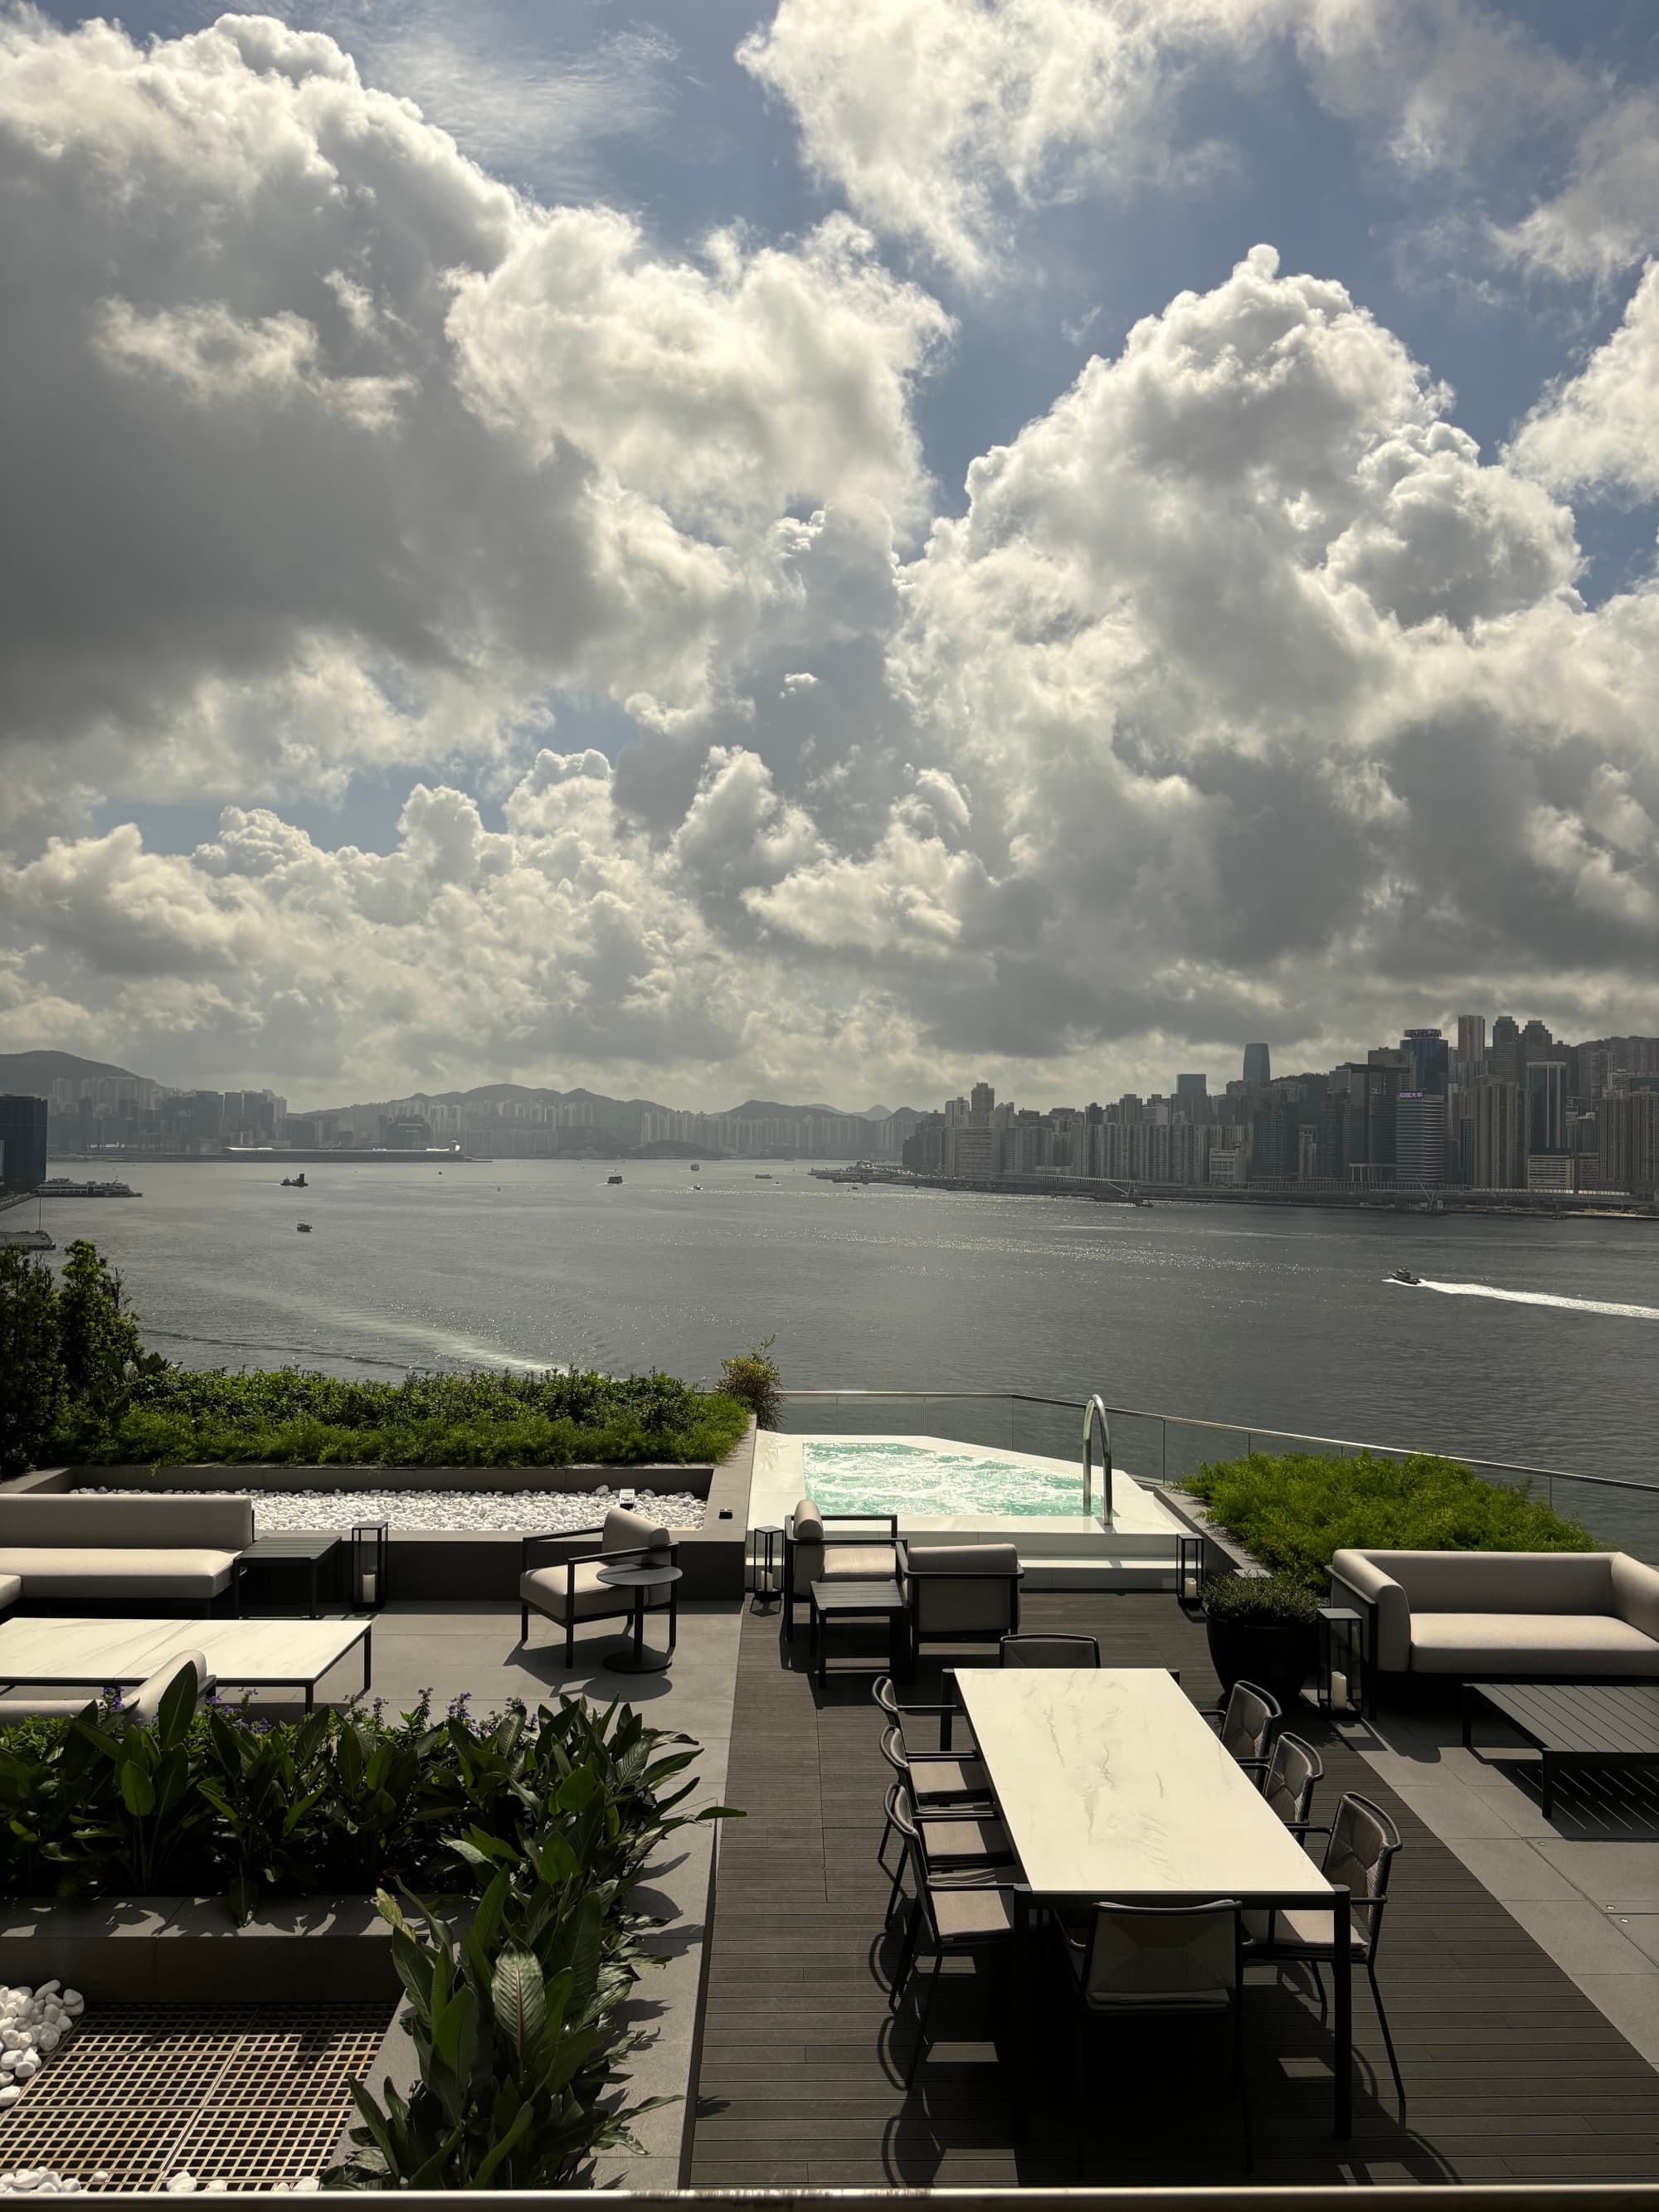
[[1585, 1883]]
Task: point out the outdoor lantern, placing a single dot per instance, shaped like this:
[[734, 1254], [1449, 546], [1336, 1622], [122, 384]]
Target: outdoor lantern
[[1189, 1571], [1341, 1663], [369, 1563]]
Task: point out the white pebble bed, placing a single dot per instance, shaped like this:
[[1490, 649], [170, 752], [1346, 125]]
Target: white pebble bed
[[33, 2023], [517, 1512]]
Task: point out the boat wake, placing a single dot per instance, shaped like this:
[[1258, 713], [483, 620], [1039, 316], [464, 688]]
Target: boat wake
[[1538, 1298]]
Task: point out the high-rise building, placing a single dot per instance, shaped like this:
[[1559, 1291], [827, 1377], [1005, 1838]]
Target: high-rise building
[[1506, 1060], [1427, 1051], [1537, 1043], [1471, 1038], [1258, 1065], [23, 1137], [1190, 1089], [981, 1100], [1494, 1153], [1547, 1105], [1627, 1156], [970, 1149], [1420, 1138]]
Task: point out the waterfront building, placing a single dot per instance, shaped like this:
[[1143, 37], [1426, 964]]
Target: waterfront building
[[981, 1099], [1494, 1155], [923, 1151], [970, 1151], [1549, 1171], [1258, 1065], [1627, 1154], [23, 1135], [1428, 1055], [1547, 1105], [1419, 1123], [1471, 1039]]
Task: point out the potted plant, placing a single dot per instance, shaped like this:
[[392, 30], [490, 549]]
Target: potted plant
[[1260, 1629]]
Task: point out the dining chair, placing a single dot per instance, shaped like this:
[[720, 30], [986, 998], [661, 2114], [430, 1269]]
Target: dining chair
[[935, 1783], [1247, 1725], [956, 1917], [1136, 1961], [1050, 1651], [1361, 1845], [947, 1717], [1293, 1772], [964, 1844]]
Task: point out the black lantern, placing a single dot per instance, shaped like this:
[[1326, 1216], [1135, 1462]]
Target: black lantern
[[1189, 1572], [369, 1548], [768, 1579], [1341, 1682]]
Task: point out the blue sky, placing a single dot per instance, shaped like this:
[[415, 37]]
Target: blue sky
[[876, 849]]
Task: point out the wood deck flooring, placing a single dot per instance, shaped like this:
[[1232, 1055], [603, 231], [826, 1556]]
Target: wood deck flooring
[[1511, 2073]]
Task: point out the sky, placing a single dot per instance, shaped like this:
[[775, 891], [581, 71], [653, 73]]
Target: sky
[[826, 552]]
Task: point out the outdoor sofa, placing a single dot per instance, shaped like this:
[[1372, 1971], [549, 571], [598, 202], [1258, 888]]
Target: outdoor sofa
[[827, 1547], [70, 1549], [570, 1591], [1548, 1616]]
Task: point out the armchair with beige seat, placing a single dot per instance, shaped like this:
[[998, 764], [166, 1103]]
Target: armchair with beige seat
[[1538, 1616], [570, 1591], [820, 1547]]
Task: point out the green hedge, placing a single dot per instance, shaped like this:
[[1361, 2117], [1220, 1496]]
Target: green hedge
[[1294, 1511], [80, 1388]]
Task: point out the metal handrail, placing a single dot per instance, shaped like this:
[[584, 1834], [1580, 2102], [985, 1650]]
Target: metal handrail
[[1093, 1412], [1244, 1429]]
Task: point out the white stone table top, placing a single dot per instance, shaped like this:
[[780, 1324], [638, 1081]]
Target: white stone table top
[[1111, 1783], [274, 1653]]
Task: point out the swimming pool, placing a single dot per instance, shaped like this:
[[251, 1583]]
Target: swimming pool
[[869, 1475]]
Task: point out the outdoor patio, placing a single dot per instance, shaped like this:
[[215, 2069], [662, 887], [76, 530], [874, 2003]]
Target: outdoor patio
[[1511, 2072]]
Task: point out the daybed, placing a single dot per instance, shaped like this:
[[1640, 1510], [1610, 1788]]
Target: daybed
[[73, 1548], [1538, 1616]]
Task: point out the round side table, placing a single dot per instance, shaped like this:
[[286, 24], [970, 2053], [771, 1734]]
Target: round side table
[[640, 1580]]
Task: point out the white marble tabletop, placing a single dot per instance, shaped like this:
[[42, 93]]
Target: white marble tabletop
[[46, 1649], [1111, 1783]]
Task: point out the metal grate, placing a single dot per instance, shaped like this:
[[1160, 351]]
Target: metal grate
[[243, 2096]]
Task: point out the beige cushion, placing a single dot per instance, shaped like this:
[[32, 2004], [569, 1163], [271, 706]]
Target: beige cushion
[[963, 1914], [1556, 1643], [625, 1530], [1502, 1582], [1636, 1593], [951, 1842], [858, 1563], [74, 1571], [208, 1521], [807, 1523], [949, 1777], [43, 1709], [1304, 1927], [11, 1588], [549, 1590], [146, 1702]]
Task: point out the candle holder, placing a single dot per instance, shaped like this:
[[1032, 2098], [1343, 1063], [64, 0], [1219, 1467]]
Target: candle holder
[[1189, 1574], [370, 1549], [1341, 1669]]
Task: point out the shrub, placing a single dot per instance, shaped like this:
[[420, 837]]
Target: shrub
[[1281, 1600], [1293, 1512], [754, 1380]]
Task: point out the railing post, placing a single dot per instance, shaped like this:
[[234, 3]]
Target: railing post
[[1096, 1409]]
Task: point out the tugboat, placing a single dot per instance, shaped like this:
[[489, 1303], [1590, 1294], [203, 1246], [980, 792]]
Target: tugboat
[[297, 1182], [1404, 1275]]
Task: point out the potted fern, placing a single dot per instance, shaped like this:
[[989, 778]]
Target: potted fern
[[1262, 1630]]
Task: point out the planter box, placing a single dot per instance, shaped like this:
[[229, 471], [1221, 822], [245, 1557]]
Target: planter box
[[148, 1950]]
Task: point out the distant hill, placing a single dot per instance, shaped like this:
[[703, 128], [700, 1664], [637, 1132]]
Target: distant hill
[[34, 1073]]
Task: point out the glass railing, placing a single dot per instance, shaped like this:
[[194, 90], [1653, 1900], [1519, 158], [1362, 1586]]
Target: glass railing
[[1155, 1448]]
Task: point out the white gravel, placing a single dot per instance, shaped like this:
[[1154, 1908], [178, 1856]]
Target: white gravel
[[518, 1512], [33, 2023]]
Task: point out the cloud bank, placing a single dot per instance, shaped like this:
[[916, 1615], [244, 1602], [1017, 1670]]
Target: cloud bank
[[1244, 694]]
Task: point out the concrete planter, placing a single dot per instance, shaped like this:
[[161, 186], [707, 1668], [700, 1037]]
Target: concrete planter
[[148, 1950]]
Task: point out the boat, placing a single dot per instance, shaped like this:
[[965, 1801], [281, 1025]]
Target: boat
[[613, 1178], [1404, 1275], [304, 1228], [696, 1167], [763, 1178], [297, 1182]]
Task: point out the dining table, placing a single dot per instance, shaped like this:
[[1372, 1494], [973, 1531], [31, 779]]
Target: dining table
[[1111, 1785]]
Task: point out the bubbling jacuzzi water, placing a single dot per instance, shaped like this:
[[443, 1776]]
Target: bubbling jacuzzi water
[[875, 1475]]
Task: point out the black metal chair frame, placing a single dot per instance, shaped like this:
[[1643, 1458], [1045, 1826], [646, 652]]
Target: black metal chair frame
[[947, 1715], [1313, 1955], [1014, 1637], [929, 1880], [907, 1575], [1301, 1826], [1218, 1715], [643, 1554]]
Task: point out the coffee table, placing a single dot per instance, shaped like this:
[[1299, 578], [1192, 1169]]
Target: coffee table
[[859, 1600], [1571, 1723], [93, 1655], [313, 1549], [637, 1660]]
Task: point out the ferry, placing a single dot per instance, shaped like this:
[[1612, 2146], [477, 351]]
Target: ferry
[[61, 1187]]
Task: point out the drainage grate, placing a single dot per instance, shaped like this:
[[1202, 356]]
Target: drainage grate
[[242, 2096]]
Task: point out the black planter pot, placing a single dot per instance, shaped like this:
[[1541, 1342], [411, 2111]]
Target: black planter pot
[[1277, 1655]]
